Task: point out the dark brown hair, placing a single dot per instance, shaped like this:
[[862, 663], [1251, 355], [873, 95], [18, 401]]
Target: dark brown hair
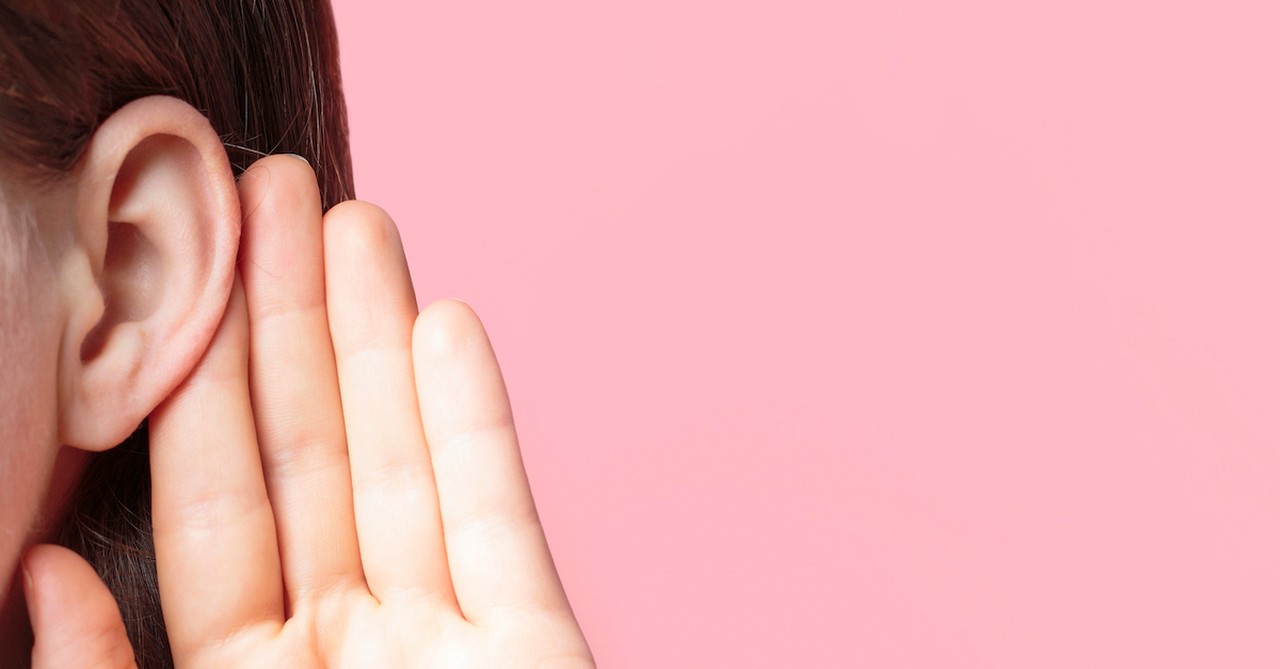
[[264, 73]]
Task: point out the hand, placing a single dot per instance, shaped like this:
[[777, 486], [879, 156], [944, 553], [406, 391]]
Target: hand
[[338, 483]]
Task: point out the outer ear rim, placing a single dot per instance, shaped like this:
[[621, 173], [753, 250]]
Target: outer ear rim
[[109, 148]]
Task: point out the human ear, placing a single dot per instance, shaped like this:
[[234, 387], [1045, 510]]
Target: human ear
[[147, 275]]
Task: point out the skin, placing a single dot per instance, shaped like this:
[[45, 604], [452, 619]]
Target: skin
[[36, 474], [110, 297], [336, 476]]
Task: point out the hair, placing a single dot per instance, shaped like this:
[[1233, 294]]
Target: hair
[[16, 238], [266, 75]]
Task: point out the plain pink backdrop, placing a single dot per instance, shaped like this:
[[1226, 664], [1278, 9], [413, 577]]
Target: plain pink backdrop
[[865, 334]]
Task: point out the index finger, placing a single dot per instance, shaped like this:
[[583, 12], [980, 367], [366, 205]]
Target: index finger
[[215, 536]]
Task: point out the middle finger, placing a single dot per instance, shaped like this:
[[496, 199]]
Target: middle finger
[[293, 380]]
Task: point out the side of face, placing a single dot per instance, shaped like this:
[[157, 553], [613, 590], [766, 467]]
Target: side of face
[[28, 367], [108, 299]]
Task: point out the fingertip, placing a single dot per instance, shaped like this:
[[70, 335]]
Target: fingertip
[[361, 234], [36, 560], [358, 210], [51, 573], [292, 180], [368, 287], [282, 170], [75, 618], [448, 327], [277, 188], [460, 383], [451, 313]]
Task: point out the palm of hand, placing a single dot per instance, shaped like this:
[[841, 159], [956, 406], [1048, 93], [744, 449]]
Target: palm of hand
[[362, 632]]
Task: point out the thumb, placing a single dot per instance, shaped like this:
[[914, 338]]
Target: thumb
[[75, 619]]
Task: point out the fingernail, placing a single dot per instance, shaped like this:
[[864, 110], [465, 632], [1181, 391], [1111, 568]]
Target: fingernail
[[28, 583], [299, 158]]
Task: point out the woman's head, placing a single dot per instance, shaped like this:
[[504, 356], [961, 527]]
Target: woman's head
[[123, 124]]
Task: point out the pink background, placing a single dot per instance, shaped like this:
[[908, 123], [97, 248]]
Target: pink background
[[883, 334]]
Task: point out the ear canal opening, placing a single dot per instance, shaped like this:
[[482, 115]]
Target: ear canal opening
[[130, 283]]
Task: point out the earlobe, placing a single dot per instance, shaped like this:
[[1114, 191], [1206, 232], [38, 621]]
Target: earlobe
[[147, 278]]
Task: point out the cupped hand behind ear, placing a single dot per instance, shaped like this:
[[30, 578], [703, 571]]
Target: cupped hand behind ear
[[338, 483]]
